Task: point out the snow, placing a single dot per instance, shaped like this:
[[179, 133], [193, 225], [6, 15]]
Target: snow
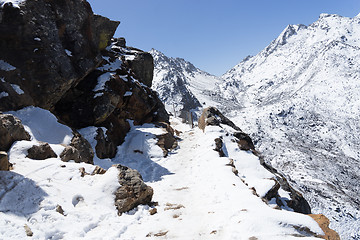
[[14, 2], [17, 89], [102, 80], [68, 52], [37, 39], [3, 94], [128, 94], [198, 195], [4, 66], [43, 126]]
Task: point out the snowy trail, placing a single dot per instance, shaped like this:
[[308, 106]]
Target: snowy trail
[[203, 199]]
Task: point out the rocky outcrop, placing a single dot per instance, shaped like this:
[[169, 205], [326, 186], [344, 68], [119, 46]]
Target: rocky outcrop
[[50, 46], [133, 190], [41, 152], [11, 130], [79, 150], [109, 97], [4, 161], [213, 117]]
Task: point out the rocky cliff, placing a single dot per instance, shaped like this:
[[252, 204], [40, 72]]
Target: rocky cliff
[[61, 57]]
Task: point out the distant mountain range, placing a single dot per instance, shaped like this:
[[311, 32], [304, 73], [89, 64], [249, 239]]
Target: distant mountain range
[[299, 99]]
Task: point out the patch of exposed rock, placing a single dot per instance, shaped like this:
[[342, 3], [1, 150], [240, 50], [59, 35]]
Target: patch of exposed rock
[[133, 190], [11, 130]]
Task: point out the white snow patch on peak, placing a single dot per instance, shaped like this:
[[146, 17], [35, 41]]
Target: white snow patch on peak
[[4, 66], [17, 89], [43, 126]]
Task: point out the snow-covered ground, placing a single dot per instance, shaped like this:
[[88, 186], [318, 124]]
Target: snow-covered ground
[[197, 195]]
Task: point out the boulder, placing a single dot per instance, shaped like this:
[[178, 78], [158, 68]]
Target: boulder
[[211, 116], [41, 152], [133, 190], [50, 46], [166, 141], [11, 130], [4, 161], [79, 150]]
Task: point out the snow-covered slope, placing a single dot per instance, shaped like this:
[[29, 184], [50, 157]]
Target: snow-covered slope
[[182, 86], [299, 99], [197, 196], [301, 102]]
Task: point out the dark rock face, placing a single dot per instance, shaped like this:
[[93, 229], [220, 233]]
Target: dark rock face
[[143, 67], [79, 150], [133, 190], [11, 130], [4, 161], [41, 152], [51, 45]]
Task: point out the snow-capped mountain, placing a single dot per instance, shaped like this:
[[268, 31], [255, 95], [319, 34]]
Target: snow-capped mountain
[[181, 86], [299, 99]]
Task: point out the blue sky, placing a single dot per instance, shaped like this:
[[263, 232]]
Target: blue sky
[[214, 35]]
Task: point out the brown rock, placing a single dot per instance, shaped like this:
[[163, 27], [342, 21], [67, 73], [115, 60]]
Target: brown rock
[[28, 231], [11, 130], [324, 225], [4, 162], [133, 190], [166, 141], [41, 152], [79, 150]]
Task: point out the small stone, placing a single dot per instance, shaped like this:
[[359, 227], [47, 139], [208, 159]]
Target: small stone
[[153, 211], [28, 231], [60, 210]]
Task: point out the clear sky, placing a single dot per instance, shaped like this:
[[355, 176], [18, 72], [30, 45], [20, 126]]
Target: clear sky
[[214, 35]]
